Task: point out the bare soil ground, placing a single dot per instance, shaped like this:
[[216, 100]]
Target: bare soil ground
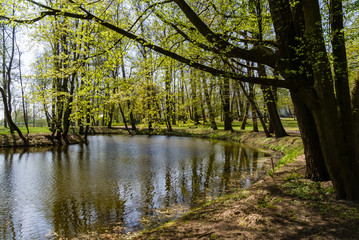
[[281, 206]]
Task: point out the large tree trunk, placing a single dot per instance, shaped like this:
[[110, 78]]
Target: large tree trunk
[[24, 108], [289, 26], [338, 156], [340, 67], [355, 106], [315, 166], [274, 118], [132, 119]]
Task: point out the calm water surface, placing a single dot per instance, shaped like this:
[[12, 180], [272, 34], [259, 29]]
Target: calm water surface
[[132, 182]]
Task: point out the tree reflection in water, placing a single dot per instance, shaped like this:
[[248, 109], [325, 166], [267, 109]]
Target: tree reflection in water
[[134, 182]]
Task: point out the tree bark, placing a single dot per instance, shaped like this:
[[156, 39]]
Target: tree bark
[[123, 117], [315, 166], [344, 173], [207, 97], [254, 115], [340, 67], [254, 106], [245, 115], [275, 121], [9, 119], [226, 105], [355, 107], [168, 102]]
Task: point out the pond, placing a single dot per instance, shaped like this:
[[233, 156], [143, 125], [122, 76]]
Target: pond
[[117, 181]]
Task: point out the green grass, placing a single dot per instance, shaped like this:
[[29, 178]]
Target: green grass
[[307, 190], [24, 131], [288, 123]]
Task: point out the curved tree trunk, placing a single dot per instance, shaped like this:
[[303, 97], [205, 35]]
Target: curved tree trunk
[[9, 119], [275, 121], [255, 108]]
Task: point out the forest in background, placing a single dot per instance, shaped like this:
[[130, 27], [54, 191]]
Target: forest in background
[[122, 83]]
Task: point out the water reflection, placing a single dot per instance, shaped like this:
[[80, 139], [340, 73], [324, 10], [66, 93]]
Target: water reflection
[[116, 180]]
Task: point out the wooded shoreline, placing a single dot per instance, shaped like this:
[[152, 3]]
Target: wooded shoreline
[[254, 139]]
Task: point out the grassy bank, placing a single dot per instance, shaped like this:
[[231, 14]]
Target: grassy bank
[[290, 146], [283, 205]]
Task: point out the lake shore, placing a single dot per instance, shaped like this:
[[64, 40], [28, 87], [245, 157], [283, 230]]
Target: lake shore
[[290, 145], [36, 140], [283, 205]]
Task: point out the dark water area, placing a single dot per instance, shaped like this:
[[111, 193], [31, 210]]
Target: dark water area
[[131, 182]]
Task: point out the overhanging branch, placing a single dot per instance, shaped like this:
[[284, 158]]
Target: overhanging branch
[[216, 72], [260, 54]]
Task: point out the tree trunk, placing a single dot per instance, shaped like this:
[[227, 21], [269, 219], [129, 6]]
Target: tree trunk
[[254, 115], [344, 173], [110, 117], [8, 117], [123, 117], [340, 67], [254, 106], [195, 116], [226, 105], [207, 97], [275, 121], [132, 119], [68, 109], [355, 106], [24, 109], [245, 116], [315, 166], [254, 120], [168, 102]]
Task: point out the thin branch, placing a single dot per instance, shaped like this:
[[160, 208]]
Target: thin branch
[[186, 37]]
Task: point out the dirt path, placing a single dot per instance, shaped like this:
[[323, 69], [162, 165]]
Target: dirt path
[[282, 206]]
